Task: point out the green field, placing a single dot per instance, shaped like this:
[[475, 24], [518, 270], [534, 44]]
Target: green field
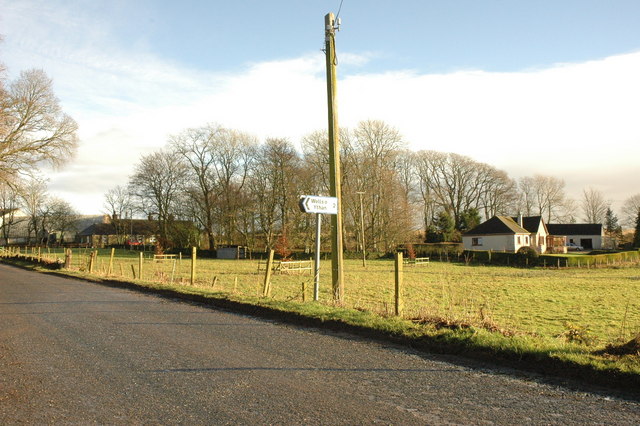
[[603, 302], [565, 313]]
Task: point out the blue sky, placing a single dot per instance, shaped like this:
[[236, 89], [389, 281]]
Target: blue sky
[[546, 87], [429, 36]]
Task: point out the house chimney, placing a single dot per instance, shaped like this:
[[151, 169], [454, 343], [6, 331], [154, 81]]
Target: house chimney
[[520, 220]]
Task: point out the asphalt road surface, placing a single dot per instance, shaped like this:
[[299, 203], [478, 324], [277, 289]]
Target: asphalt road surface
[[78, 352]]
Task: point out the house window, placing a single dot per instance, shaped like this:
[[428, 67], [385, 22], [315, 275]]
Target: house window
[[541, 240], [476, 241], [519, 240], [526, 240]]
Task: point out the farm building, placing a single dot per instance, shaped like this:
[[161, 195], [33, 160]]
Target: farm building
[[588, 235], [232, 252]]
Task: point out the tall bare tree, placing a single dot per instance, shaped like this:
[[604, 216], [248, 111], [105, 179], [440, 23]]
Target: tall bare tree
[[630, 209], [455, 182], [544, 196], [33, 200], [34, 129], [371, 161], [499, 193], [119, 206], [218, 162], [156, 185], [9, 204], [62, 217], [274, 186], [526, 196], [594, 206]]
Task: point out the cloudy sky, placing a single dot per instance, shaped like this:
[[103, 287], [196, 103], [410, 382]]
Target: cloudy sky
[[542, 87]]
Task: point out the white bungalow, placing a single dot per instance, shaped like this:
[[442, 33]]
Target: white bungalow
[[500, 233]]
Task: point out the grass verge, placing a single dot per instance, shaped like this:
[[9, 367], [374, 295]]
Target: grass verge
[[522, 351]]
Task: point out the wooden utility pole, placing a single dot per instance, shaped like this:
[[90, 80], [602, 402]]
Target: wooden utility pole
[[337, 275]]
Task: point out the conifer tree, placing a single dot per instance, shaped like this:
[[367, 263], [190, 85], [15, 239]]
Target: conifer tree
[[636, 235]]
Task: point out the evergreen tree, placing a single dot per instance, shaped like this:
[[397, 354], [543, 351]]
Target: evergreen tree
[[469, 219], [446, 226], [636, 235], [612, 229]]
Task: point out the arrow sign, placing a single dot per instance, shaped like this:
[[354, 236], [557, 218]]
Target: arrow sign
[[317, 204]]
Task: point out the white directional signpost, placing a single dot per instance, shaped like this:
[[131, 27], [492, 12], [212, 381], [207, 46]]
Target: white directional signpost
[[318, 205]]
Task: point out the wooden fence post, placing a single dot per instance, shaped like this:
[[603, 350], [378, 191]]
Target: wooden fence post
[[92, 261], [266, 289], [193, 265], [140, 260], [173, 271], [67, 259], [110, 271], [398, 288]]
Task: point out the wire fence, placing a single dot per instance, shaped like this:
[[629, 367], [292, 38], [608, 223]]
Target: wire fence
[[532, 300]]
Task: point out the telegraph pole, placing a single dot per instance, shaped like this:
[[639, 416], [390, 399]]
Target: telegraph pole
[[337, 275]]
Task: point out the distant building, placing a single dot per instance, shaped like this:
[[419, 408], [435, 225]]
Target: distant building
[[588, 235], [133, 232], [503, 233], [500, 233]]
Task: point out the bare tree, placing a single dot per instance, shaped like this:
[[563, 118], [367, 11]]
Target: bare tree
[[456, 182], [544, 196], [630, 209], [218, 161], [33, 199], [498, 195], [156, 185], [119, 206], [594, 206], [9, 204], [62, 217], [34, 129], [526, 196], [274, 186], [371, 159]]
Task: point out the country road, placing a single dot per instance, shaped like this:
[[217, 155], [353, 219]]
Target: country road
[[78, 352]]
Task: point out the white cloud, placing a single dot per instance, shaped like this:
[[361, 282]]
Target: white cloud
[[574, 121]]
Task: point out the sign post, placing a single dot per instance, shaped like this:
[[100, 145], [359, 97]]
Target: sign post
[[316, 264], [319, 206]]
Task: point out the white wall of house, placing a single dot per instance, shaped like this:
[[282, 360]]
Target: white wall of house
[[502, 242], [539, 239]]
